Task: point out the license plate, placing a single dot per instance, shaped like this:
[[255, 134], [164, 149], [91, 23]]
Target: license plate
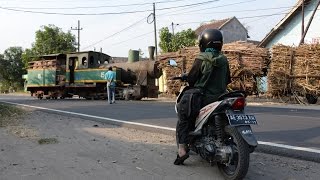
[[241, 119]]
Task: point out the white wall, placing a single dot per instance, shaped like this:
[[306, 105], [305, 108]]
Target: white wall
[[291, 35]]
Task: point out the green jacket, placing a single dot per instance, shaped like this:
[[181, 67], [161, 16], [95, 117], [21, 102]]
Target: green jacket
[[214, 75]]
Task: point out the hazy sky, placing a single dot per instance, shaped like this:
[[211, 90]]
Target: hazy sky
[[103, 31]]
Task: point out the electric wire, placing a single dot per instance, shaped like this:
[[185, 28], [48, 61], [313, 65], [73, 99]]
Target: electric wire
[[182, 24], [92, 7], [141, 35], [121, 42], [75, 14], [246, 10], [285, 11], [230, 4], [245, 17], [103, 13], [116, 33]]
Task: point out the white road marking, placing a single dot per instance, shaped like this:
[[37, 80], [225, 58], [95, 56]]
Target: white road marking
[[289, 147], [282, 115], [91, 116], [160, 127]]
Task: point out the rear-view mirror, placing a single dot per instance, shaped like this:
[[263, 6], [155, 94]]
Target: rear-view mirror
[[173, 63]]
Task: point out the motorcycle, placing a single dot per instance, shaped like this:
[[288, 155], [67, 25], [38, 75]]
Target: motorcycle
[[222, 133]]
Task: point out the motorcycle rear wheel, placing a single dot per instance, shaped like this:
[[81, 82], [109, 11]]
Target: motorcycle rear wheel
[[241, 157]]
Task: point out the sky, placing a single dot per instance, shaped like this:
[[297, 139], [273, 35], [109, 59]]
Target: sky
[[117, 26]]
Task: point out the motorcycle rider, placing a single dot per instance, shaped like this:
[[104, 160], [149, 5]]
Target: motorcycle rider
[[211, 74]]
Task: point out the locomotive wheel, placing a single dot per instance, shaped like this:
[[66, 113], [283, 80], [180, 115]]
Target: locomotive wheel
[[127, 97]]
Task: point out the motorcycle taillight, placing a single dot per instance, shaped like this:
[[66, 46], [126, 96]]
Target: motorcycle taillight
[[239, 104]]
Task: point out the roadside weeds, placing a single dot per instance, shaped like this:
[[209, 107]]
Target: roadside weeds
[[11, 118]]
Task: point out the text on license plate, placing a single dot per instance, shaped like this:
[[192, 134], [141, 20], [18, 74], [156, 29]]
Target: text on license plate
[[241, 119]]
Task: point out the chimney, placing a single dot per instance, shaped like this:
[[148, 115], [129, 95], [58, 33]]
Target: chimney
[[151, 52]]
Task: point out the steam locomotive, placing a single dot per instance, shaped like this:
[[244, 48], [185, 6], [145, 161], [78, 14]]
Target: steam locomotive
[[62, 76]]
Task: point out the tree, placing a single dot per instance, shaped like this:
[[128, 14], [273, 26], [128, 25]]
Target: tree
[[12, 67], [172, 43], [165, 40], [50, 40]]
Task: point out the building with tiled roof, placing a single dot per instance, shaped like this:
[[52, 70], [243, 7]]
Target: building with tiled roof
[[231, 28]]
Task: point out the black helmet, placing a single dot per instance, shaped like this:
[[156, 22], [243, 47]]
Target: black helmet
[[210, 38]]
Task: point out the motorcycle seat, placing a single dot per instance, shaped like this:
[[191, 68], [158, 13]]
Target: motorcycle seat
[[232, 94]]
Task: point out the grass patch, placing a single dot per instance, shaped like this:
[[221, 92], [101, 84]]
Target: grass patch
[[10, 115], [48, 141]]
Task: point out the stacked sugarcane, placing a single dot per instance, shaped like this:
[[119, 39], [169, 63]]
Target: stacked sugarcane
[[279, 72], [246, 62], [295, 70], [173, 86]]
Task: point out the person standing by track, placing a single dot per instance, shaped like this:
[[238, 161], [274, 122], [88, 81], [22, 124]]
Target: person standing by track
[[110, 76]]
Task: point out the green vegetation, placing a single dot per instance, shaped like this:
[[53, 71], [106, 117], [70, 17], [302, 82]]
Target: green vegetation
[[48, 141], [172, 43], [9, 115], [14, 61], [50, 40], [11, 69]]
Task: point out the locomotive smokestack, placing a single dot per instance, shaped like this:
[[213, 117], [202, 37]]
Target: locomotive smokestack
[[151, 52]]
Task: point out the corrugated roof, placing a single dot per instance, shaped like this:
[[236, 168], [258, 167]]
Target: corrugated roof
[[294, 11]]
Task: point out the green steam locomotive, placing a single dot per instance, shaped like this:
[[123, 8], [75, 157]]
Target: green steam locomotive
[[62, 76]]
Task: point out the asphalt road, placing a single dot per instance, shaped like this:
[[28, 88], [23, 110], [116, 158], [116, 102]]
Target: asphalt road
[[92, 150], [293, 126]]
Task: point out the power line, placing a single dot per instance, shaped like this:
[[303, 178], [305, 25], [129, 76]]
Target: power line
[[267, 16], [188, 5], [141, 35], [77, 7], [132, 38], [246, 10], [118, 32], [92, 7], [104, 13], [74, 14], [246, 17], [230, 4]]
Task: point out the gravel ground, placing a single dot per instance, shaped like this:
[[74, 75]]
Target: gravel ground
[[78, 149]]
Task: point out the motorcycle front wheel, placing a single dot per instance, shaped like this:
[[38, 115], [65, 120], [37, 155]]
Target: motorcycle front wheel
[[239, 165]]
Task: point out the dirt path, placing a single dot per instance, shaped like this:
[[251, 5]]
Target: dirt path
[[91, 150]]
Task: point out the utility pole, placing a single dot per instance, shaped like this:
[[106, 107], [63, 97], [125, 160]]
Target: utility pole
[[78, 29], [309, 23], [155, 29], [302, 23], [172, 26]]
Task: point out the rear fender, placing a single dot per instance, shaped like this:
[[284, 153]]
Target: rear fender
[[247, 135]]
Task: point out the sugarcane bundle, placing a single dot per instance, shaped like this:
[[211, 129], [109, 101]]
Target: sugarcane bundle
[[295, 69], [279, 73], [245, 60], [307, 69]]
